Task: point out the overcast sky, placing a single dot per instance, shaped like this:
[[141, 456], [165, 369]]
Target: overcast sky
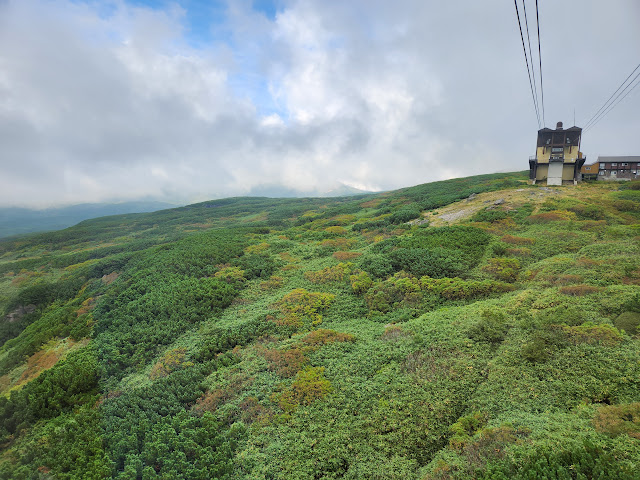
[[185, 101]]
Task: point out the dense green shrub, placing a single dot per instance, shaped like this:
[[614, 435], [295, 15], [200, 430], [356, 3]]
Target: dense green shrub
[[71, 383], [542, 345], [404, 214], [379, 266], [505, 269], [590, 332], [149, 432], [256, 265], [360, 282], [628, 321], [491, 328], [436, 262], [577, 462], [489, 215], [459, 289], [391, 293], [218, 340]]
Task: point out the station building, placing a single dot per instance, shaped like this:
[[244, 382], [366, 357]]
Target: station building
[[558, 158], [613, 168]]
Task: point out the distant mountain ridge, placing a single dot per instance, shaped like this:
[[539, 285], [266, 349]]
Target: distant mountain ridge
[[17, 221], [279, 191]]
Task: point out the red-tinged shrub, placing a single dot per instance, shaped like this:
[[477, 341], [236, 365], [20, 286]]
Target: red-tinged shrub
[[272, 283], [252, 411], [518, 252], [210, 401], [617, 420], [579, 290], [371, 203], [587, 212], [337, 243], [338, 273], [336, 230], [393, 332], [345, 256], [554, 216], [587, 262], [310, 384], [286, 363], [591, 225], [517, 240], [568, 279], [492, 443], [323, 336]]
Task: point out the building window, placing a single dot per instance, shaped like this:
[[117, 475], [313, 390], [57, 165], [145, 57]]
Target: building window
[[624, 164], [602, 166], [601, 172], [614, 172], [614, 164]]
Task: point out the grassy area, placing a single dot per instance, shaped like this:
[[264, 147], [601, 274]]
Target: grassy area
[[472, 328]]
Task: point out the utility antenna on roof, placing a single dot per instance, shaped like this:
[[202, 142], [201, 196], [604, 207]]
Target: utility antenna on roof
[[574, 115]]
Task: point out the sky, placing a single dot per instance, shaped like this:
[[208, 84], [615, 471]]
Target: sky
[[183, 101]]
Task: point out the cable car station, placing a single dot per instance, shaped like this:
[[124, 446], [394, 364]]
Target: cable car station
[[558, 157]]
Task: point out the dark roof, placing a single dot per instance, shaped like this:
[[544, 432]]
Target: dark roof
[[619, 159], [572, 129]]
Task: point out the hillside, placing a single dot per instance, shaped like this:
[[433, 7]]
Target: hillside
[[475, 328], [17, 221]]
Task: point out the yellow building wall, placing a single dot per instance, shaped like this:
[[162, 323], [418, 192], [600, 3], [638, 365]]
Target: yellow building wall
[[542, 172], [571, 153], [591, 169], [542, 156], [567, 171]]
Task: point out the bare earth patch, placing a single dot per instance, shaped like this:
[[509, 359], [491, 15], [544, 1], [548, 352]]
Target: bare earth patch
[[503, 199]]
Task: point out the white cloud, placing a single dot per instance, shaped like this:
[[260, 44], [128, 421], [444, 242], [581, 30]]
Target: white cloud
[[111, 103]]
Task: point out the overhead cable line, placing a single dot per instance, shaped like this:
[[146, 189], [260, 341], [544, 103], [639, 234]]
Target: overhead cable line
[[533, 70], [613, 105], [601, 111], [524, 49], [540, 61]]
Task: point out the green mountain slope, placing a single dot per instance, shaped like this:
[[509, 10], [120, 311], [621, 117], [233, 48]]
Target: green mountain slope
[[17, 221], [472, 328]]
